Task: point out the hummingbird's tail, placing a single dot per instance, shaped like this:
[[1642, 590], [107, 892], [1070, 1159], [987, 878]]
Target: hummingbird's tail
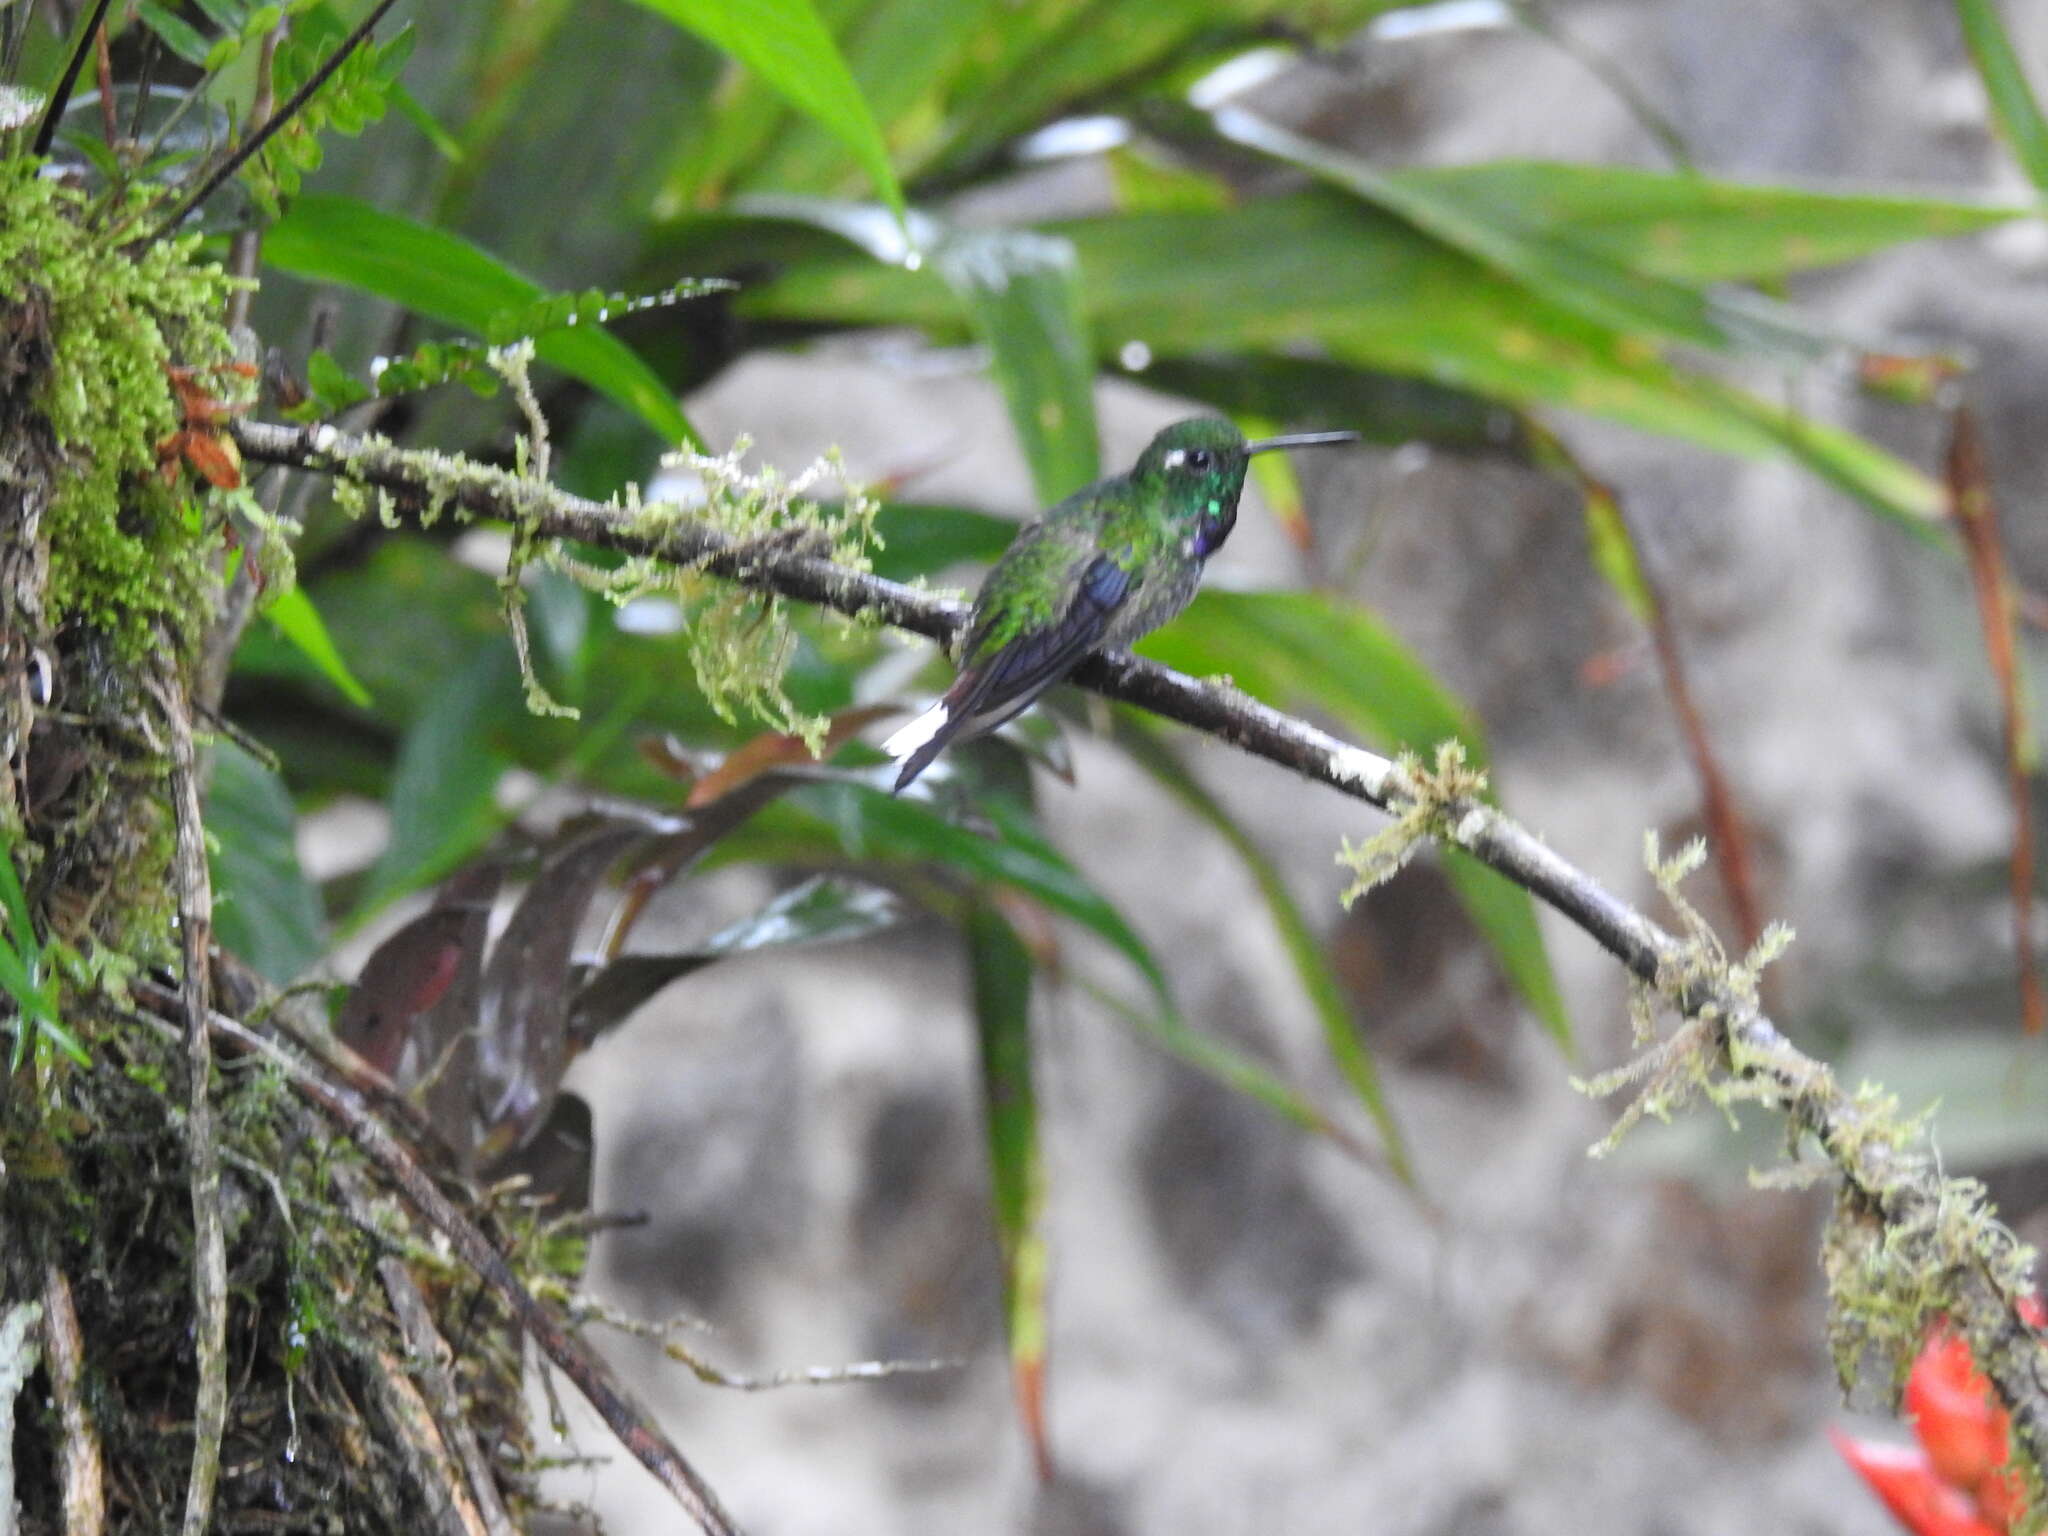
[[916, 744]]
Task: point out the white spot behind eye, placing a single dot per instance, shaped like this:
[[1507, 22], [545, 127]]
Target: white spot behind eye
[[1176, 458]]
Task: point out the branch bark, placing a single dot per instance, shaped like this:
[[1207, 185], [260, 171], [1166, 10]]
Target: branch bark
[[1900, 1183]]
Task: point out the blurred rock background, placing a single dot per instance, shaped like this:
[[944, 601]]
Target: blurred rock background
[[1252, 1333]]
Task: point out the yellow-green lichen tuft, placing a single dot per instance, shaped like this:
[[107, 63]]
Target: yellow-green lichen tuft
[[1700, 1058], [128, 554], [740, 641], [1428, 800]]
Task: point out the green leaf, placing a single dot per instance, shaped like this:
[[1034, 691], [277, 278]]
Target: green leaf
[[593, 306], [1000, 968], [925, 540], [180, 36], [1016, 856], [1602, 290], [296, 618], [1031, 63], [1371, 291], [1304, 948], [266, 910], [442, 790], [1023, 299], [1295, 648], [333, 239], [785, 43], [873, 823], [1313, 392], [1692, 228], [2013, 105]]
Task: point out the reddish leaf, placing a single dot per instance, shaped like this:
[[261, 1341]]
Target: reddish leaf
[[522, 1041], [442, 1054], [773, 749], [1976, 518], [1904, 1477], [408, 975]]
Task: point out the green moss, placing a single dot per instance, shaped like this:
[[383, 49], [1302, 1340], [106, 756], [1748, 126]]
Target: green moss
[[128, 554]]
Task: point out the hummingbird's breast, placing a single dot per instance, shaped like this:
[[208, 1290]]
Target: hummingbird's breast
[[1163, 589]]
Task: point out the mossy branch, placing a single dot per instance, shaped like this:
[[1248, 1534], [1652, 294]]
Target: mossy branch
[[1937, 1246]]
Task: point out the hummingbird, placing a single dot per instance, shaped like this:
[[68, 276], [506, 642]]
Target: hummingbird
[[1112, 562]]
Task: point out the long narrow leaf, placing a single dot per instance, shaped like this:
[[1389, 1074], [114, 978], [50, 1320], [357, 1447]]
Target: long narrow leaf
[[1023, 299], [265, 909], [1291, 648], [2013, 104], [1000, 968], [1696, 228], [296, 618], [1371, 291], [1304, 949], [342, 240], [789, 47]]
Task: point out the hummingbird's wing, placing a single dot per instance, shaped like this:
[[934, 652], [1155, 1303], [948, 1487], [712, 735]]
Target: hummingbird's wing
[[1001, 680]]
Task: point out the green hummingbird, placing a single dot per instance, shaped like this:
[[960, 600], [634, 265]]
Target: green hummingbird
[[1113, 561]]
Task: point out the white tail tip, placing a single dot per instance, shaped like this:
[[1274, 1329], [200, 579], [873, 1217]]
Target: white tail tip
[[917, 732]]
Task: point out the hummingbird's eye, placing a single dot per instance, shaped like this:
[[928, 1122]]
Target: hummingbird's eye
[[1199, 459]]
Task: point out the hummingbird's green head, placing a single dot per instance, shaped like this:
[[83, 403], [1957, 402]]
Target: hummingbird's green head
[[1194, 471]]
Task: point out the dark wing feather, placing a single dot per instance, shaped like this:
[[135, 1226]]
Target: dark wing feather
[[986, 695], [1032, 662]]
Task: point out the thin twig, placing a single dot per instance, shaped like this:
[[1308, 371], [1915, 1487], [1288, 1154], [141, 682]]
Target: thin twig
[[430, 1356], [237, 156], [245, 252], [630, 1423], [434, 1473], [18, 1355], [209, 1238], [85, 1482], [103, 75], [1905, 1186], [60, 98]]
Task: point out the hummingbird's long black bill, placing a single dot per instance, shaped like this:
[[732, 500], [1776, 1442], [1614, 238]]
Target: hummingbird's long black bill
[[1300, 440]]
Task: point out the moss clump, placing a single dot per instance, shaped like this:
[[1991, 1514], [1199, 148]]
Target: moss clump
[[127, 552]]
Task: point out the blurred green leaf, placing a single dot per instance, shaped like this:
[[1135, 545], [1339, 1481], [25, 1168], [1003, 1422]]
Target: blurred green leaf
[[1017, 855], [333, 239], [1372, 291], [1615, 555], [1000, 968], [871, 823], [2013, 105], [1313, 392], [1593, 285], [1023, 299], [1693, 228], [826, 909], [265, 910], [442, 789], [787, 45], [1295, 648], [925, 540], [1137, 737], [180, 36], [300, 623], [1030, 63]]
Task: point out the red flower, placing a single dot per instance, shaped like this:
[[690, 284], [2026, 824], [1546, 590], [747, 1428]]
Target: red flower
[[1904, 1477], [1955, 1482]]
